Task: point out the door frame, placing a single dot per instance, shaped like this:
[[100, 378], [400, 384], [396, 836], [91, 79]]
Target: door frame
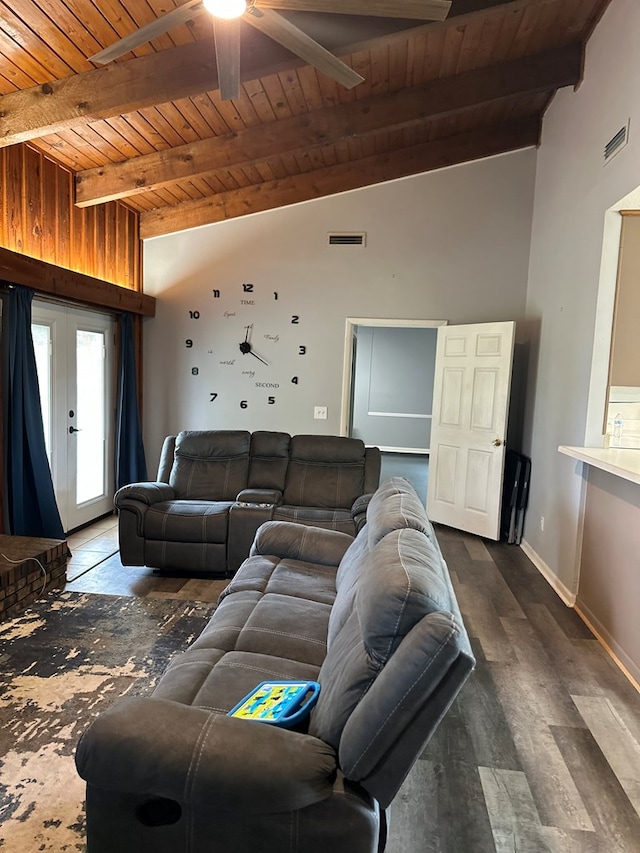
[[347, 368]]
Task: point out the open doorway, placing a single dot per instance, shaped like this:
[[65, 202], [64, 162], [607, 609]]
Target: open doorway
[[469, 382], [388, 392]]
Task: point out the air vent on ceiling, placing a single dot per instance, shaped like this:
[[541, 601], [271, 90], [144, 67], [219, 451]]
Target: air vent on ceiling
[[344, 239], [616, 143]]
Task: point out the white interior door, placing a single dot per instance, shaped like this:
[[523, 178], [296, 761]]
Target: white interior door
[[469, 426], [74, 356]]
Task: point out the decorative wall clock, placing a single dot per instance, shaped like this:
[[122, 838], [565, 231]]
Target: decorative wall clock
[[245, 347]]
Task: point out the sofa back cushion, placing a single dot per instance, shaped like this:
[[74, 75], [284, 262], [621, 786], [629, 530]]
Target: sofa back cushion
[[395, 665], [210, 465], [394, 506], [324, 471], [269, 460], [402, 583], [167, 457]]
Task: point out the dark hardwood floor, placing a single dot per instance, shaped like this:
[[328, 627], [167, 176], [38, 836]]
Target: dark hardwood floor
[[541, 751]]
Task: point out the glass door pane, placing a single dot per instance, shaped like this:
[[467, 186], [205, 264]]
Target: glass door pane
[[42, 345], [91, 421]]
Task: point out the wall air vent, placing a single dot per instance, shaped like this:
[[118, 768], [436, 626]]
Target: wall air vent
[[616, 143], [344, 239]]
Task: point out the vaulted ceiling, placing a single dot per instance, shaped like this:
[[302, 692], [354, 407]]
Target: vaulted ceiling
[[151, 128]]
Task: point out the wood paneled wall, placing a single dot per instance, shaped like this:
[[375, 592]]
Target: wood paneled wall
[[39, 219]]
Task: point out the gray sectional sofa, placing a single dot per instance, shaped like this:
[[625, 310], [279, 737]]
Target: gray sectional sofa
[[374, 619], [215, 488]]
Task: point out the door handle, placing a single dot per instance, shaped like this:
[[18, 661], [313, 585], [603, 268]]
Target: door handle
[[497, 442], [72, 429]]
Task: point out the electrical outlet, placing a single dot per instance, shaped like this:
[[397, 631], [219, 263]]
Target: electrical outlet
[[542, 522], [320, 413]]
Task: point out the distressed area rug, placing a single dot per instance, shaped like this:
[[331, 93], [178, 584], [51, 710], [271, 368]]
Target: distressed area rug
[[62, 662]]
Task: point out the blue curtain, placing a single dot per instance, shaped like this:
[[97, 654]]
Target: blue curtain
[[131, 466], [31, 508]]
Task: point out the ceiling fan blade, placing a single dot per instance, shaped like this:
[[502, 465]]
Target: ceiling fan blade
[[289, 36], [227, 38], [420, 10], [161, 25]]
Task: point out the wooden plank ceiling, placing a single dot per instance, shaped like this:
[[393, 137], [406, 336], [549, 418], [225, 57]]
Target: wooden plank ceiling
[[152, 130]]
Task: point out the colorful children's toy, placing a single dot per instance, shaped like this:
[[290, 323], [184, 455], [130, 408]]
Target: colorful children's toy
[[281, 703]]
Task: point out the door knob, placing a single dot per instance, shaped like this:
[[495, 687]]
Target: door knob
[[497, 442], [72, 429]]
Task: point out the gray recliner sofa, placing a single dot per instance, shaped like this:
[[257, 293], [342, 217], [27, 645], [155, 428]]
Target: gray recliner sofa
[[216, 487], [374, 619]]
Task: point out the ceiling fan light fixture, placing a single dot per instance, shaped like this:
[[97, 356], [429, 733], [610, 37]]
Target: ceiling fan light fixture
[[227, 9]]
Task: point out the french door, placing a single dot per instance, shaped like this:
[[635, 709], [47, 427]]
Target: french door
[[74, 356]]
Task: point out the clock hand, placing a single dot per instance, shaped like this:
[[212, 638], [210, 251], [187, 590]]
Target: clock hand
[[245, 348], [259, 357]]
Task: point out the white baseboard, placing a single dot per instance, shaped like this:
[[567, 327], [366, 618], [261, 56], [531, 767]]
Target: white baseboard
[[617, 655], [563, 591]]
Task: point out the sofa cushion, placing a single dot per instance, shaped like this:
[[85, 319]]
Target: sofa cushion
[[403, 585], [309, 581], [345, 676], [217, 681], [352, 565], [295, 578], [395, 506], [390, 726], [329, 519], [269, 460], [188, 521], [210, 465], [287, 627], [325, 471], [230, 616]]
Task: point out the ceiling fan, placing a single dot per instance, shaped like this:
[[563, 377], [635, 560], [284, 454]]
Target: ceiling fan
[[260, 14]]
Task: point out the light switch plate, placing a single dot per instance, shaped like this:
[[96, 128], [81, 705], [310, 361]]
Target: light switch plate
[[320, 413]]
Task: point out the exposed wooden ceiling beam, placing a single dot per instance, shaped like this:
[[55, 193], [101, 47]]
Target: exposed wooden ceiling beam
[[169, 75], [439, 98], [115, 89], [521, 133], [68, 284]]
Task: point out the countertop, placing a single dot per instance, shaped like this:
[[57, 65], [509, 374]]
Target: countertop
[[622, 462]]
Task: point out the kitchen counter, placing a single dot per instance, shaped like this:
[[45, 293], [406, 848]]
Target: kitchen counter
[[622, 462]]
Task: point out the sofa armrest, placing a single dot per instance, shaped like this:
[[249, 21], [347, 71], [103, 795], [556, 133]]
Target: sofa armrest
[[359, 510], [285, 539], [146, 493], [260, 496], [162, 748]]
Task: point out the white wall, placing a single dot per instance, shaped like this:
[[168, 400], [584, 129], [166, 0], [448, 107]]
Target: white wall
[[450, 245], [571, 281]]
